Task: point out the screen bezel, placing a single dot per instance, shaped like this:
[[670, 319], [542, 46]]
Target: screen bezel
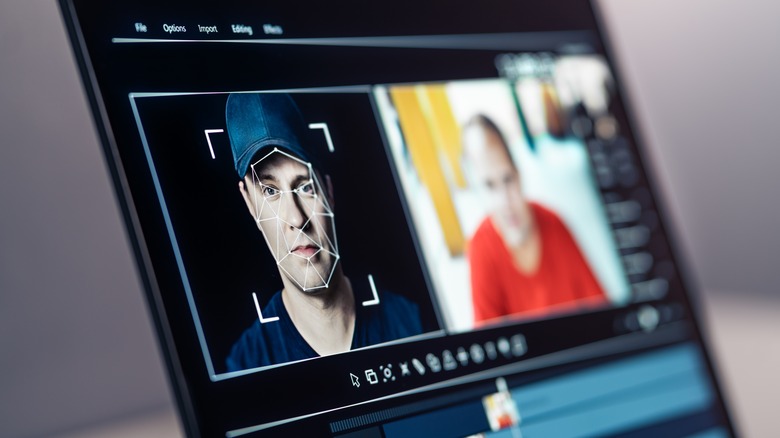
[[175, 369]]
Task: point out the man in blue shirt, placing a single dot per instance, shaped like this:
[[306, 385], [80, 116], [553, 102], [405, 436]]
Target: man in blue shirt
[[291, 202]]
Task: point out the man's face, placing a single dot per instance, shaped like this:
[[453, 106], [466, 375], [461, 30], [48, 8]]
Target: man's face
[[496, 173], [292, 211]]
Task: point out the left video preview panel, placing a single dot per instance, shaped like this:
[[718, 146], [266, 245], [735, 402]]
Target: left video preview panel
[[290, 235]]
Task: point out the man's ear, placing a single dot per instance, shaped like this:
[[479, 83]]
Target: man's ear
[[248, 200]]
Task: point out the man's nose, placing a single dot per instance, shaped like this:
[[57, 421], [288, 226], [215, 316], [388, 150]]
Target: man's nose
[[508, 196], [499, 197], [294, 212]]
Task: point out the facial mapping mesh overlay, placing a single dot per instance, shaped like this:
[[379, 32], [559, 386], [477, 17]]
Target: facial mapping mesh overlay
[[299, 219]]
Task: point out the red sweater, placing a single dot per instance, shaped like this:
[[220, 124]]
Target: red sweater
[[562, 281]]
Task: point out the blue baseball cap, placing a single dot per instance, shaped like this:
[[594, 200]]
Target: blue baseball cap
[[259, 122]]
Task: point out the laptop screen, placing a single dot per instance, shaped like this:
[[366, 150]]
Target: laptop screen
[[404, 219]]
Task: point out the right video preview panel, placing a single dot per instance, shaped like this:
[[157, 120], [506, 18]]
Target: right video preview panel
[[502, 191]]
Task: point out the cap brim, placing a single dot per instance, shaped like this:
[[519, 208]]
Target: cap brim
[[267, 145]]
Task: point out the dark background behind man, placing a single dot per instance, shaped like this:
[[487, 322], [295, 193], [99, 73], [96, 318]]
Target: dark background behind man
[[706, 100]]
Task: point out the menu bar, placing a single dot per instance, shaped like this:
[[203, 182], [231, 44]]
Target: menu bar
[[269, 33], [204, 30]]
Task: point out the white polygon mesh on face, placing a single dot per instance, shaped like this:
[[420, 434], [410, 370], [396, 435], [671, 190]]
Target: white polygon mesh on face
[[297, 216]]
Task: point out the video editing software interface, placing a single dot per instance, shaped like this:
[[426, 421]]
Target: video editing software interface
[[394, 220]]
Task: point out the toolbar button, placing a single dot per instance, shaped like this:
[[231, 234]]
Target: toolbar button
[[490, 350], [355, 380], [387, 373], [433, 362], [504, 347], [477, 353], [518, 345], [418, 366], [372, 377], [648, 318], [449, 360], [463, 357]]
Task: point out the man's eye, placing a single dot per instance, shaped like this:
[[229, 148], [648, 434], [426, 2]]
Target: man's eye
[[269, 191], [306, 188]]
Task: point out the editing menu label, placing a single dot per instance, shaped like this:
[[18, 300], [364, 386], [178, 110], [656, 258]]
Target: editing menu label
[[240, 28]]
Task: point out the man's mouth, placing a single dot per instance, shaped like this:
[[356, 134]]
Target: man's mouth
[[305, 250]]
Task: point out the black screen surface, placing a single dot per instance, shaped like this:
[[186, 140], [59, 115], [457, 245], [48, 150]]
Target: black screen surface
[[405, 219]]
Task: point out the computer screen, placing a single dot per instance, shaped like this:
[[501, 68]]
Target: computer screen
[[396, 219]]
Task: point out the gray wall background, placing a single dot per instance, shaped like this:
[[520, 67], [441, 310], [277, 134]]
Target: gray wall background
[[703, 75], [76, 345]]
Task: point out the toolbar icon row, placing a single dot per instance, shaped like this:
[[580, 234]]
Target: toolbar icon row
[[476, 354], [449, 360]]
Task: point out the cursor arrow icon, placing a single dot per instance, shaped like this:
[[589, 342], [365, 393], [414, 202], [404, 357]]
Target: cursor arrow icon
[[355, 381]]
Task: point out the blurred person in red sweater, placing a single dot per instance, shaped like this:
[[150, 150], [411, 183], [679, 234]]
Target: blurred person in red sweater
[[523, 259]]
